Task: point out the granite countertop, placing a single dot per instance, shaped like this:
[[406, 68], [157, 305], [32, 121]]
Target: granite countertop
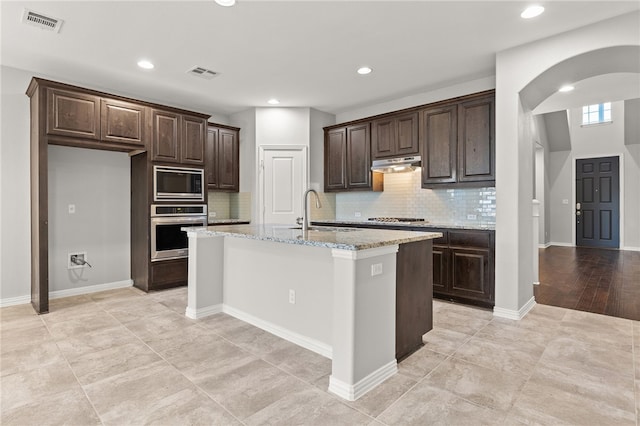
[[227, 221], [419, 224], [319, 236]]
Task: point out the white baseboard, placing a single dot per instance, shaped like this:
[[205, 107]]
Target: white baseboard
[[89, 289], [632, 248], [515, 315], [203, 312], [298, 339], [355, 391], [544, 246], [560, 244], [10, 301]]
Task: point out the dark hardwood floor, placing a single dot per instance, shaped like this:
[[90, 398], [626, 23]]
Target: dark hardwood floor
[[602, 281]]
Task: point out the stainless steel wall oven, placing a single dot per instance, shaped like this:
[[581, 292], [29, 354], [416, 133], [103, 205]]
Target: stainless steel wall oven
[[168, 240]]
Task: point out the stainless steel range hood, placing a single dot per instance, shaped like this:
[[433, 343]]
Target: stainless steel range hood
[[396, 165]]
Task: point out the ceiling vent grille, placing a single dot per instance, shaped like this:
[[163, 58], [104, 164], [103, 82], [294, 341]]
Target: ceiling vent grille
[[202, 73], [41, 21]]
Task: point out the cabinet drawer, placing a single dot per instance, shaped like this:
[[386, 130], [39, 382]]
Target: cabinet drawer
[[169, 272], [470, 239]]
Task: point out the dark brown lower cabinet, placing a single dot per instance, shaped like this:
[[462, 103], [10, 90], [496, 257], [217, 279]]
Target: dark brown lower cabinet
[[414, 296], [463, 262], [168, 273], [464, 267]]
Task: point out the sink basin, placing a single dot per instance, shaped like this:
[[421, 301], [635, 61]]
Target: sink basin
[[326, 229]]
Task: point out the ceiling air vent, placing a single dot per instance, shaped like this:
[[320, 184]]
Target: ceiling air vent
[[41, 21], [202, 73]]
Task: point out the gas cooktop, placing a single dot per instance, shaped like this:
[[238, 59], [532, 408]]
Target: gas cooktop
[[395, 219]]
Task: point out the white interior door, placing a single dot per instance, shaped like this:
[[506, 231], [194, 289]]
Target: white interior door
[[284, 180]]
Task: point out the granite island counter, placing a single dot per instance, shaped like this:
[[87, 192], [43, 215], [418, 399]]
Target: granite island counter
[[348, 294]]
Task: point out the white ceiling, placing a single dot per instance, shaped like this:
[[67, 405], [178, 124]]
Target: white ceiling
[[304, 53]]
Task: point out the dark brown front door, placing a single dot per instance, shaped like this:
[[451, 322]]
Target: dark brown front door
[[598, 202]]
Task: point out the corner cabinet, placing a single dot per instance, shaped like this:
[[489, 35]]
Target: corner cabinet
[[222, 158], [395, 135], [458, 142], [347, 159], [178, 138]]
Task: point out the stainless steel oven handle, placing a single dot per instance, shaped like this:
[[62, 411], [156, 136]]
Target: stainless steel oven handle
[[179, 219]]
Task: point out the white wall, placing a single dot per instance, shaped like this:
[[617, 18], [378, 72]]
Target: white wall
[[318, 120], [98, 184], [418, 99], [282, 126], [515, 69], [15, 232], [596, 141]]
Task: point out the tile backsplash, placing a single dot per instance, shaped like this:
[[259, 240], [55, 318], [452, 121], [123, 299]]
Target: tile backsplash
[[225, 205], [404, 197]]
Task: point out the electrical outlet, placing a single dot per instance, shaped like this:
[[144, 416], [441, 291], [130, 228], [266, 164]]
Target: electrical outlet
[[565, 201], [212, 214], [472, 217], [77, 260], [376, 269], [72, 208], [292, 296], [357, 214]]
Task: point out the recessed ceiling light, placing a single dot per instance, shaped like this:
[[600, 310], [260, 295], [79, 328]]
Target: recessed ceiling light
[[364, 70], [566, 88], [273, 101], [147, 65], [226, 3], [532, 12]]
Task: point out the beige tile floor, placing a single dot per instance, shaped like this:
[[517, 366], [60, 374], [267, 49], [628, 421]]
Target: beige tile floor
[[124, 357]]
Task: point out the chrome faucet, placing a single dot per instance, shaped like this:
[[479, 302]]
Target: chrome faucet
[[305, 219]]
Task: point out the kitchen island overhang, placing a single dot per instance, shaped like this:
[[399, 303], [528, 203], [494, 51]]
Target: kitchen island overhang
[[330, 290]]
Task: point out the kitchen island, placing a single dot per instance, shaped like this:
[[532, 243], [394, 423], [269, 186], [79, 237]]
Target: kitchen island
[[330, 290]]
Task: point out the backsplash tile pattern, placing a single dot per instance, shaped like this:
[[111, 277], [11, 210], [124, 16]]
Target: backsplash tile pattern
[[225, 205], [403, 197]]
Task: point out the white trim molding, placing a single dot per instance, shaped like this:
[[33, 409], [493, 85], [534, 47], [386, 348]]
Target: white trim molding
[[355, 391], [203, 312], [631, 249], [12, 301], [295, 338], [90, 289], [553, 243], [515, 315], [544, 246]]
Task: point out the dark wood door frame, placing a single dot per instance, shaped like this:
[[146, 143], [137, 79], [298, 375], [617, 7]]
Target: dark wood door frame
[[597, 187]]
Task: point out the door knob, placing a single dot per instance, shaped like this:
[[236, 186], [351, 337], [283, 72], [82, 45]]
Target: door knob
[[578, 213]]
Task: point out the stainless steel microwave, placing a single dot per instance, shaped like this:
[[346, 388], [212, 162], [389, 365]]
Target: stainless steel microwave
[[178, 184]]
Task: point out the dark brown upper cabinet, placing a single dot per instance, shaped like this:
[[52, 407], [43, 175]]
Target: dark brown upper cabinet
[[194, 134], [347, 159], [458, 142], [476, 140], [123, 122], [395, 136], [177, 138], [223, 159], [335, 160], [439, 144], [166, 130], [72, 114]]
